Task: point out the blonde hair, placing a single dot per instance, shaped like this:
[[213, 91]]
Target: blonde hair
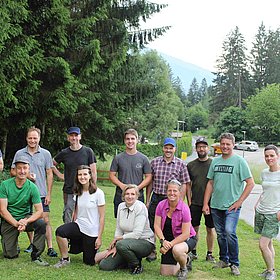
[[130, 186]]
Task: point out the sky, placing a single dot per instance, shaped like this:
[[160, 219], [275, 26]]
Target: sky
[[199, 27]]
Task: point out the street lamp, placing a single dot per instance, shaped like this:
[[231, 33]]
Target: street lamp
[[244, 136], [178, 122]]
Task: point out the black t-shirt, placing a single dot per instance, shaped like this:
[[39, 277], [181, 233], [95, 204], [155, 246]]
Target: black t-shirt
[[71, 160]]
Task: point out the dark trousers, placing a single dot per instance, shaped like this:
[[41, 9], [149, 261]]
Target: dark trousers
[[79, 242], [10, 238], [156, 198]]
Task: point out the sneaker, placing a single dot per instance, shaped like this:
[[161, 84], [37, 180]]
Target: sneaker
[[189, 263], [210, 258], [136, 270], [235, 270], [182, 274], [152, 257], [52, 253], [221, 264], [193, 256], [263, 274], [270, 275], [62, 263], [40, 262], [29, 249]]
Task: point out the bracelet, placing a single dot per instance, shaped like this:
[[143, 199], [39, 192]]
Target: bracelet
[[161, 242]]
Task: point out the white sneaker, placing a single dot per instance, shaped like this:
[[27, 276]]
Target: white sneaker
[[62, 263]]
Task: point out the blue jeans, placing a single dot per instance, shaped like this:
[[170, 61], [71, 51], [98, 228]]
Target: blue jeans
[[225, 223]]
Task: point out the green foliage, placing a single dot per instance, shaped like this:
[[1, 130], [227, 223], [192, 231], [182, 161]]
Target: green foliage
[[196, 117], [184, 144], [263, 113]]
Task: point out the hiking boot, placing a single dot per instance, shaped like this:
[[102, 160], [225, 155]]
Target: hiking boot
[[221, 264], [235, 270], [182, 274], [210, 258], [270, 275], [62, 263], [29, 249], [136, 270], [52, 253], [40, 262], [152, 257]]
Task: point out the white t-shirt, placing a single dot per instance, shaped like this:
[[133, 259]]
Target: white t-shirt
[[270, 198], [87, 212]]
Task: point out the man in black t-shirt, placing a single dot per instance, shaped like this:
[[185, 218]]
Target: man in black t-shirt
[[72, 157]]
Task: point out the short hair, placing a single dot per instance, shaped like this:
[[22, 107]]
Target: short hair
[[33, 128], [131, 131], [228, 136], [128, 187], [271, 147], [174, 182]]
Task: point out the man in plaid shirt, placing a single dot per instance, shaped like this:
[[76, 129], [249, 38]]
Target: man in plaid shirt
[[164, 169]]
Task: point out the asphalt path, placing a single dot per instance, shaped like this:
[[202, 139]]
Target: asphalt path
[[247, 211]]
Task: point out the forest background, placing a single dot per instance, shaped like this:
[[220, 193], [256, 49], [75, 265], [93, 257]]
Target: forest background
[[83, 63]]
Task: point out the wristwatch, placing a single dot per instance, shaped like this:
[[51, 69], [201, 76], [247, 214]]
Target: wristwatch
[[161, 241]]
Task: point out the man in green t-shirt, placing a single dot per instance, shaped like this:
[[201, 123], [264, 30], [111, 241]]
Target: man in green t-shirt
[[230, 183], [17, 196]]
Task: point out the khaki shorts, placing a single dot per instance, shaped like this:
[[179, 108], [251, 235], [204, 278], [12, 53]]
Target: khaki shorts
[[266, 224]]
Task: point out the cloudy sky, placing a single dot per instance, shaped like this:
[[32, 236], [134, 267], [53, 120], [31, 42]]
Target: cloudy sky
[[199, 27]]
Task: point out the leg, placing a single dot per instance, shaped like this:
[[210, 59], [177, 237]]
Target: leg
[[46, 218], [89, 250], [169, 269], [65, 232], [180, 254], [69, 205], [39, 228], [219, 220], [268, 253], [117, 201], [232, 240], [133, 250], [9, 240], [112, 263], [210, 233]]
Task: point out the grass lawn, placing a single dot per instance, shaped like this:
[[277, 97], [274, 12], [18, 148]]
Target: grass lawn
[[22, 268]]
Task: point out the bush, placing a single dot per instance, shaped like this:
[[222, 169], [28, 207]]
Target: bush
[[184, 144]]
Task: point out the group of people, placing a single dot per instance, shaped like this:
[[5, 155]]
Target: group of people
[[213, 188]]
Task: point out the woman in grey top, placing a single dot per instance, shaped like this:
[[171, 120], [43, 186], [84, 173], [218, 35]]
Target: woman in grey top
[[134, 239]]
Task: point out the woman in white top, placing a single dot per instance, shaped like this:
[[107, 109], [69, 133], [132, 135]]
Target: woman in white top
[[134, 238], [267, 214], [85, 231]]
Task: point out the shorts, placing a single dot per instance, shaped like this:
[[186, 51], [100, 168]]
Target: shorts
[[196, 213], [46, 208], [266, 225], [168, 257]]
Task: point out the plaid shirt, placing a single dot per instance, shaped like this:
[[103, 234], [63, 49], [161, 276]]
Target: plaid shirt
[[162, 172]]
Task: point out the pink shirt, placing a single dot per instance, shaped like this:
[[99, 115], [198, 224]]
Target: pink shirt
[[181, 215]]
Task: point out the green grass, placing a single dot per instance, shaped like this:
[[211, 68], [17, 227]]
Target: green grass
[[256, 170], [22, 268]]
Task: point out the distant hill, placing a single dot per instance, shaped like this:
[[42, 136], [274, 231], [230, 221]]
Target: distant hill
[[187, 71]]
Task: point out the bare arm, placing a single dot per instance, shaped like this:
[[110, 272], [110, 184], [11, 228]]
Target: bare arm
[[93, 171], [183, 191], [57, 172], [6, 214], [101, 211], [148, 193], [49, 186], [1, 164], [114, 179], [247, 190], [207, 196], [189, 193], [147, 180]]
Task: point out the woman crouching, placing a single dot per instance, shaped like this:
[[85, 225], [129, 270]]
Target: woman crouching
[[175, 232], [134, 239]]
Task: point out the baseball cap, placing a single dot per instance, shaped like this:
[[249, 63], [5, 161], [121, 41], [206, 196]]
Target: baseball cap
[[73, 129], [21, 159], [169, 141], [201, 140]]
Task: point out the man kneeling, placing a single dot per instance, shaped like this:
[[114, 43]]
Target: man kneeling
[[17, 195]]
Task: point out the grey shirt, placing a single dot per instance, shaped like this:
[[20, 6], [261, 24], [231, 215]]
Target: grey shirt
[[133, 222], [39, 163]]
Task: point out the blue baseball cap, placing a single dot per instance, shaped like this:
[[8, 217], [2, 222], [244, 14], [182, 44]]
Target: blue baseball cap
[[169, 141], [73, 129]]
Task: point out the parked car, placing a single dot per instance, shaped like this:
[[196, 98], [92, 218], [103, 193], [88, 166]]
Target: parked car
[[247, 145]]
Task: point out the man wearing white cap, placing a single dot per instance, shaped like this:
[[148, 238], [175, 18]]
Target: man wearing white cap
[[73, 156], [164, 168]]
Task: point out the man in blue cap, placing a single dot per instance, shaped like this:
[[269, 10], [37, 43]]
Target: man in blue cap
[[73, 156], [164, 168]]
